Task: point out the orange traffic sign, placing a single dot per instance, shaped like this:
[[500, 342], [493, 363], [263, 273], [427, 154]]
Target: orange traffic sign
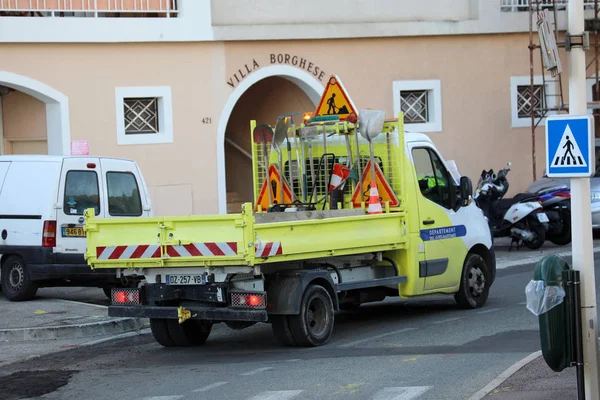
[[383, 187], [335, 100], [275, 183]]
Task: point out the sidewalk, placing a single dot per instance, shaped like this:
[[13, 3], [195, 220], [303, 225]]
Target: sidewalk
[[46, 325]]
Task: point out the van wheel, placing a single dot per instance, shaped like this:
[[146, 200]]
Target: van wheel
[[160, 331], [314, 325], [190, 333], [474, 284], [15, 281]]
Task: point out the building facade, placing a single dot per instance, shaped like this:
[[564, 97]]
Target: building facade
[[174, 84]]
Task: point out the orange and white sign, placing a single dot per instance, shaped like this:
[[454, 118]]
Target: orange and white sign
[[335, 101], [383, 187], [274, 182]]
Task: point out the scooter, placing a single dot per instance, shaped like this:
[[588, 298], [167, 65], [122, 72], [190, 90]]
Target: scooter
[[556, 203], [521, 217]]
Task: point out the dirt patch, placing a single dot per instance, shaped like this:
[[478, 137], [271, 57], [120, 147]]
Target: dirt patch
[[28, 384]]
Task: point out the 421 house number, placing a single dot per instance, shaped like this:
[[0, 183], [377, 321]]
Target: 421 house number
[[206, 120]]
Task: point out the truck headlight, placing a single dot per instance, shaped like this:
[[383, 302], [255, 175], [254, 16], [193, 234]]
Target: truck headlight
[[595, 197]]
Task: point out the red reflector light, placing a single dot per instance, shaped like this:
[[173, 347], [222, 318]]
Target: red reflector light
[[91, 165], [49, 234], [126, 296], [248, 300]]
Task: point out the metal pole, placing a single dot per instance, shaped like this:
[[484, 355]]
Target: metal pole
[[581, 222], [533, 155], [577, 333]]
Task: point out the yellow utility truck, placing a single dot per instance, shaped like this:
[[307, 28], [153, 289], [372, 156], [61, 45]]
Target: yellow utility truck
[[348, 209]]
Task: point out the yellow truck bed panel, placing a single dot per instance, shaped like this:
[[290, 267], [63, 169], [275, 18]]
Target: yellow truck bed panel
[[239, 239]]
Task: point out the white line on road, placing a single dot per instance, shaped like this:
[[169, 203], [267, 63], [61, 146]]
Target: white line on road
[[377, 337], [256, 371], [81, 303], [488, 311], [400, 393], [209, 387], [163, 397], [533, 259], [293, 360], [523, 303], [446, 320], [277, 395]]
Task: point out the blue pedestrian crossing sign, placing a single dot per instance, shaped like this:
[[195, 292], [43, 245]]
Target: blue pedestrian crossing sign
[[569, 146]]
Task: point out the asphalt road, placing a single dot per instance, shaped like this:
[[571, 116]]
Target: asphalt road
[[395, 350]]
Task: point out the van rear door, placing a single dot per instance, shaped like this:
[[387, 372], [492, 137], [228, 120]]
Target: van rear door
[[125, 192], [80, 189]]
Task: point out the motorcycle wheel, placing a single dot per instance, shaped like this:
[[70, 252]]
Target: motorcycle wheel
[[563, 238], [540, 234]]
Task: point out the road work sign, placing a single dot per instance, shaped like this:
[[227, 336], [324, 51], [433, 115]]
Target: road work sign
[[569, 146], [335, 100]]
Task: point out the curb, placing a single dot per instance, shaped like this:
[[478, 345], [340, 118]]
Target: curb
[[505, 375], [534, 259], [109, 327]]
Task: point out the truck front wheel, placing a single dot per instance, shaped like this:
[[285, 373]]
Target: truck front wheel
[[314, 325], [474, 284]]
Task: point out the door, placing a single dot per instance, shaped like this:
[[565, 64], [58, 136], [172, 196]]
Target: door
[[436, 194], [125, 195], [80, 188]]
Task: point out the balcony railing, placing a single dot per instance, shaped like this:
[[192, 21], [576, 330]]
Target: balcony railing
[[89, 8], [523, 5]]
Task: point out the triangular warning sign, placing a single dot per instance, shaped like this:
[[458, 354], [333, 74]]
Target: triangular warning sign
[[568, 153], [275, 182], [383, 187], [335, 100]]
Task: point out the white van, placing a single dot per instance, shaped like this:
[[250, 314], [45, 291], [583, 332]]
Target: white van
[[42, 200]]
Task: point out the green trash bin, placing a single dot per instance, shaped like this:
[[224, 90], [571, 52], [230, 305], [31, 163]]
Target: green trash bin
[[555, 329]]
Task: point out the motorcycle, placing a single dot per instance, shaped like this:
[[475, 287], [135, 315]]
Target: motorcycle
[[521, 218], [556, 203]]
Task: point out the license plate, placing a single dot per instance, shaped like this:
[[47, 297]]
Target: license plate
[[73, 232], [186, 279], [542, 217]]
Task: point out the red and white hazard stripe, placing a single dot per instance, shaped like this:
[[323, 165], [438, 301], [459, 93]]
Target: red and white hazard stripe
[[127, 252], [269, 249], [203, 249]]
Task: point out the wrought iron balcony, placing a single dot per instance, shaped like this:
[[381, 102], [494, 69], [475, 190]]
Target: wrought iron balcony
[[89, 8]]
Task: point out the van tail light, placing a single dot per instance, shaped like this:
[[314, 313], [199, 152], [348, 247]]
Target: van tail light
[[49, 234]]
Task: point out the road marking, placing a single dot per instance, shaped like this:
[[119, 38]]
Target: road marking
[[163, 397], [488, 311], [377, 337], [256, 371], [277, 395], [293, 360], [209, 387], [446, 320], [400, 393], [523, 303]]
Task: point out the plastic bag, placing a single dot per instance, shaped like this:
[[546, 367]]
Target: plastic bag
[[542, 298]]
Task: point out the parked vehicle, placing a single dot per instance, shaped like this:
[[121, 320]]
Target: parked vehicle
[[545, 182], [556, 203], [294, 269], [521, 217], [42, 200]]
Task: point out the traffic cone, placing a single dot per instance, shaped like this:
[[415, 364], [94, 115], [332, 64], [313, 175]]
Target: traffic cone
[[374, 204], [340, 174]]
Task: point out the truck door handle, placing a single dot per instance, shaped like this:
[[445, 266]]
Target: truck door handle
[[429, 222]]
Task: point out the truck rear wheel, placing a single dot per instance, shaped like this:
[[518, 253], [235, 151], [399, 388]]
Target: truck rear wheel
[[281, 328], [474, 284], [314, 325], [190, 333], [15, 281], [160, 331]]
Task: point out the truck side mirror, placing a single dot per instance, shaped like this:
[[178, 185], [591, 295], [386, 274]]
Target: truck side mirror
[[466, 190]]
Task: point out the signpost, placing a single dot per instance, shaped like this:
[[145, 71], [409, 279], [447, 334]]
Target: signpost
[[569, 154]]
